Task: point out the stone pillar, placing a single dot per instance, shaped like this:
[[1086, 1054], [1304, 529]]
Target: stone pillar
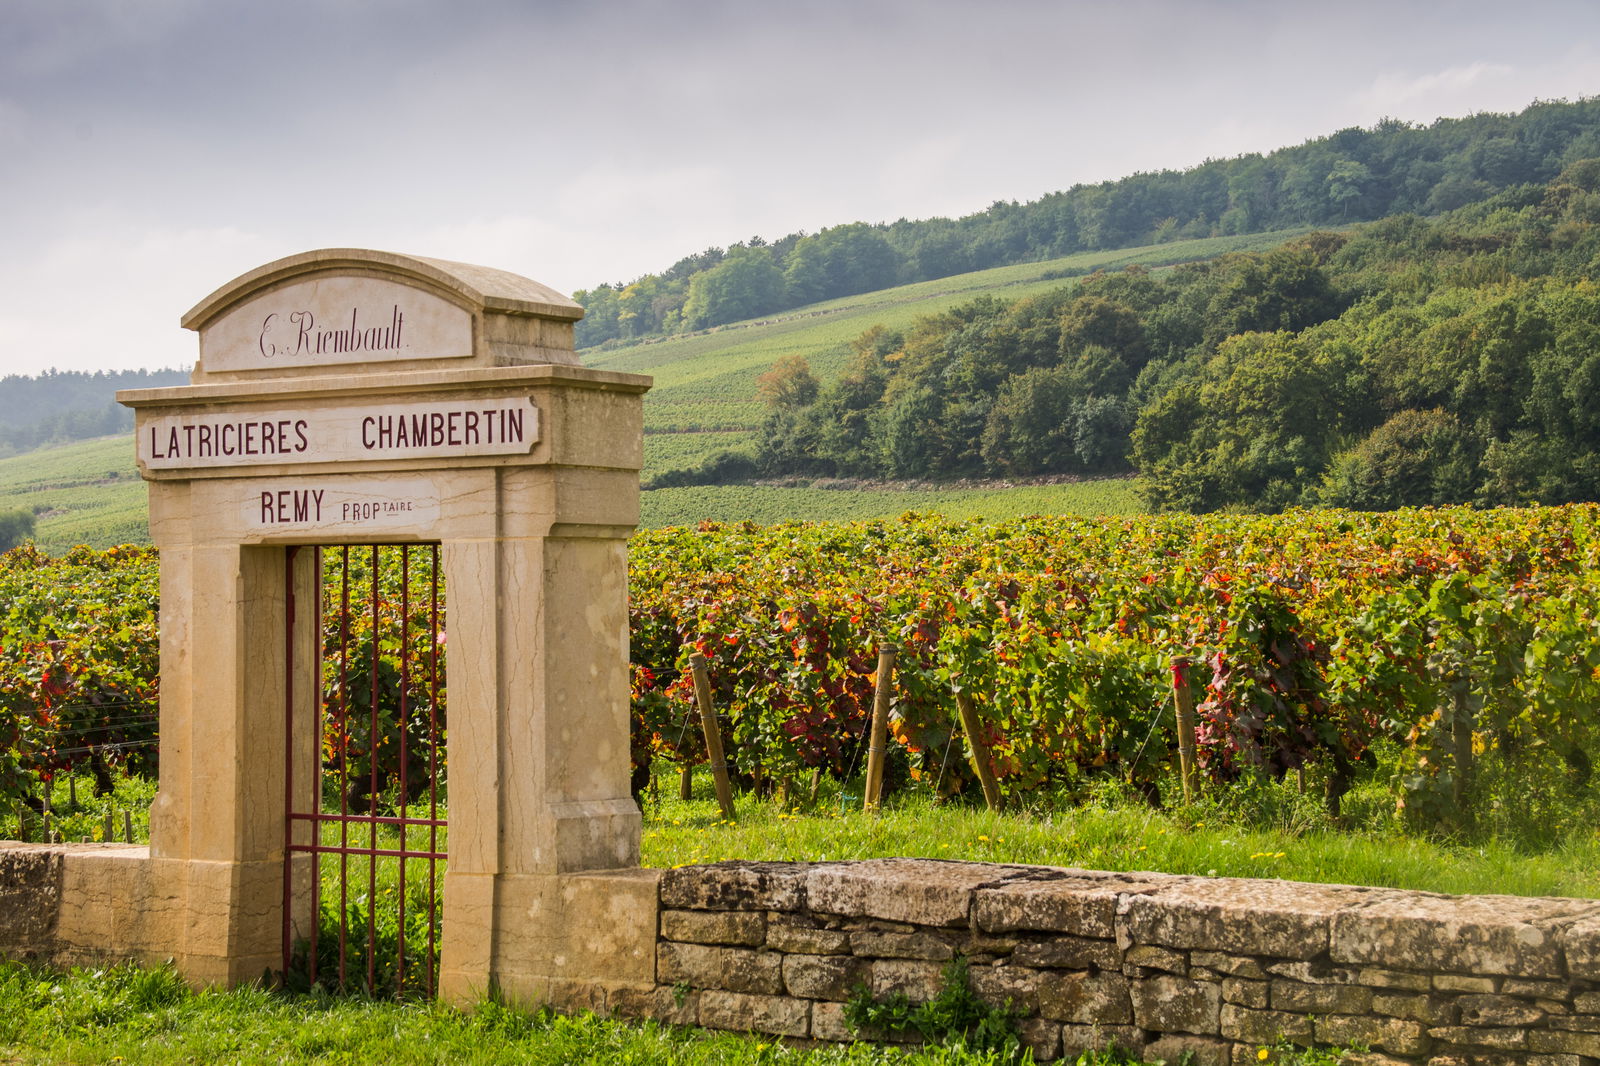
[[216, 828], [539, 750]]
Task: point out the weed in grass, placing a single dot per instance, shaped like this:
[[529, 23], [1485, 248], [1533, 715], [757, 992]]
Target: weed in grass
[[956, 1017], [1283, 1053]]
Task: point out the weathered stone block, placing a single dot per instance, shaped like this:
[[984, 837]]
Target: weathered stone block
[[1042, 1037], [1000, 985], [778, 1015], [1466, 1036], [1232, 965], [1534, 989], [1564, 1041], [1315, 972], [1201, 1050], [1459, 934], [1075, 902], [1149, 957], [978, 944], [1580, 943], [1264, 1026], [1586, 1003], [1372, 1058], [824, 976], [827, 1023], [917, 891], [1283, 919], [1378, 977], [1455, 982], [799, 940], [1076, 1039], [1382, 1034], [920, 981], [1430, 1010], [736, 885], [1245, 993], [901, 946], [1498, 1010], [746, 928], [1068, 953], [1320, 999], [673, 1006], [30, 896], [1175, 1005], [1101, 999], [732, 969]]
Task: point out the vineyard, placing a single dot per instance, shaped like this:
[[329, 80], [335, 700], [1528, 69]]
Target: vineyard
[[1451, 655]]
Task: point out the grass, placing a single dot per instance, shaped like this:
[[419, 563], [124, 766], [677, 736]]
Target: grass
[[1266, 830], [767, 505], [128, 1015]]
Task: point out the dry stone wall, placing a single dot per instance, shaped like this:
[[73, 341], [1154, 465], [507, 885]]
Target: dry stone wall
[[1163, 964]]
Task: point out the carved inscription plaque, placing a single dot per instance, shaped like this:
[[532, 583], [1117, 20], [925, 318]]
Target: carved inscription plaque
[[332, 321], [427, 429], [339, 506]]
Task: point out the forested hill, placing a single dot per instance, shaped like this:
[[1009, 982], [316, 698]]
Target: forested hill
[[1352, 175], [66, 405], [1411, 361]]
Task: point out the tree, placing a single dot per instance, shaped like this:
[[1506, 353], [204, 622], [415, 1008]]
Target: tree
[[1029, 428], [790, 383], [15, 528], [1415, 459], [746, 283]]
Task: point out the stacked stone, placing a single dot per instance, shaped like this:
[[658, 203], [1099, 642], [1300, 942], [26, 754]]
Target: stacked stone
[[1160, 964]]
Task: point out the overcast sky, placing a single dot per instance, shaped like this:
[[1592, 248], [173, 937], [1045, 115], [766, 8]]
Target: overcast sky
[[151, 150]]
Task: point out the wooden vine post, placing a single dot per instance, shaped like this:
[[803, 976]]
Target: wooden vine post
[[1183, 704], [878, 738], [980, 750], [708, 723]]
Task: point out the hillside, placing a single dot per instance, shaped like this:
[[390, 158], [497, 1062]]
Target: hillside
[[1408, 361], [86, 492], [1348, 176], [705, 393]]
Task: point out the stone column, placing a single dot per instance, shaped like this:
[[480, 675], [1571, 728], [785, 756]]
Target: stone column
[[217, 823], [539, 719]]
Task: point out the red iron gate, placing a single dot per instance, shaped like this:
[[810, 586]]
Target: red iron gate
[[364, 835]]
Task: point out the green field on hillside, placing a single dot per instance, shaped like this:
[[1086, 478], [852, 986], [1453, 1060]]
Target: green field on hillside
[[769, 505], [86, 492], [706, 381]]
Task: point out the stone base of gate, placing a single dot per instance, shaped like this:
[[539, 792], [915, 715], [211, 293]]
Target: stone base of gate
[[559, 940], [82, 904]]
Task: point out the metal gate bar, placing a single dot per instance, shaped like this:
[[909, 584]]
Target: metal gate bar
[[352, 662]]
